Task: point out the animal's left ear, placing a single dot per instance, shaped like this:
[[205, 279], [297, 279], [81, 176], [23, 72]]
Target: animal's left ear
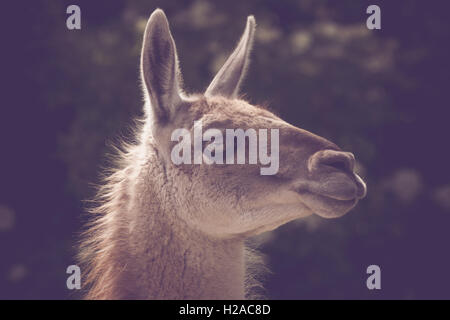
[[227, 81]]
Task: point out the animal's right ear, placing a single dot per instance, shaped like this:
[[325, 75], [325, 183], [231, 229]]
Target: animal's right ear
[[159, 68]]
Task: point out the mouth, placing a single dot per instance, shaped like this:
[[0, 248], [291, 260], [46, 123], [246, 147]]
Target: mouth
[[326, 206], [334, 196]]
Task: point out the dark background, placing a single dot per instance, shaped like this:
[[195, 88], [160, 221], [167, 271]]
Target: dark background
[[382, 94]]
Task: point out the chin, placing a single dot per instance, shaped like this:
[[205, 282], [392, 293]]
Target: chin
[[332, 214]]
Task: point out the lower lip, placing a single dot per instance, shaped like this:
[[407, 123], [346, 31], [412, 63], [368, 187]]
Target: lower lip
[[307, 192], [350, 202], [331, 202]]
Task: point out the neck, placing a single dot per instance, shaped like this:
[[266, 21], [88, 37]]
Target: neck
[[172, 262], [143, 250]]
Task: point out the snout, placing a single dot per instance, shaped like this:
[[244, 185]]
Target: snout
[[334, 173], [332, 187]]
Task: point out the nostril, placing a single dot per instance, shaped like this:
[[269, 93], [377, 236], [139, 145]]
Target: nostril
[[342, 161], [340, 165]]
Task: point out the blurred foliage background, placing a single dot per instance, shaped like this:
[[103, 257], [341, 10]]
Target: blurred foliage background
[[381, 94]]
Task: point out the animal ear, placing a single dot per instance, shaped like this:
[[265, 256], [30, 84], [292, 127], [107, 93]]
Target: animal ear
[[227, 81], [159, 67]]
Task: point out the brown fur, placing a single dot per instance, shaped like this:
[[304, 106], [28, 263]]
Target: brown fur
[[166, 231]]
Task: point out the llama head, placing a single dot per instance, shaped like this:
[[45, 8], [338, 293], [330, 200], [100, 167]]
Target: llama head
[[216, 191]]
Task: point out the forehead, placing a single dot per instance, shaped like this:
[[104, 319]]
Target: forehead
[[224, 113]]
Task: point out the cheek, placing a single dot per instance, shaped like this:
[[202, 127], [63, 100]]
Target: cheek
[[217, 203], [234, 188], [218, 195]]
